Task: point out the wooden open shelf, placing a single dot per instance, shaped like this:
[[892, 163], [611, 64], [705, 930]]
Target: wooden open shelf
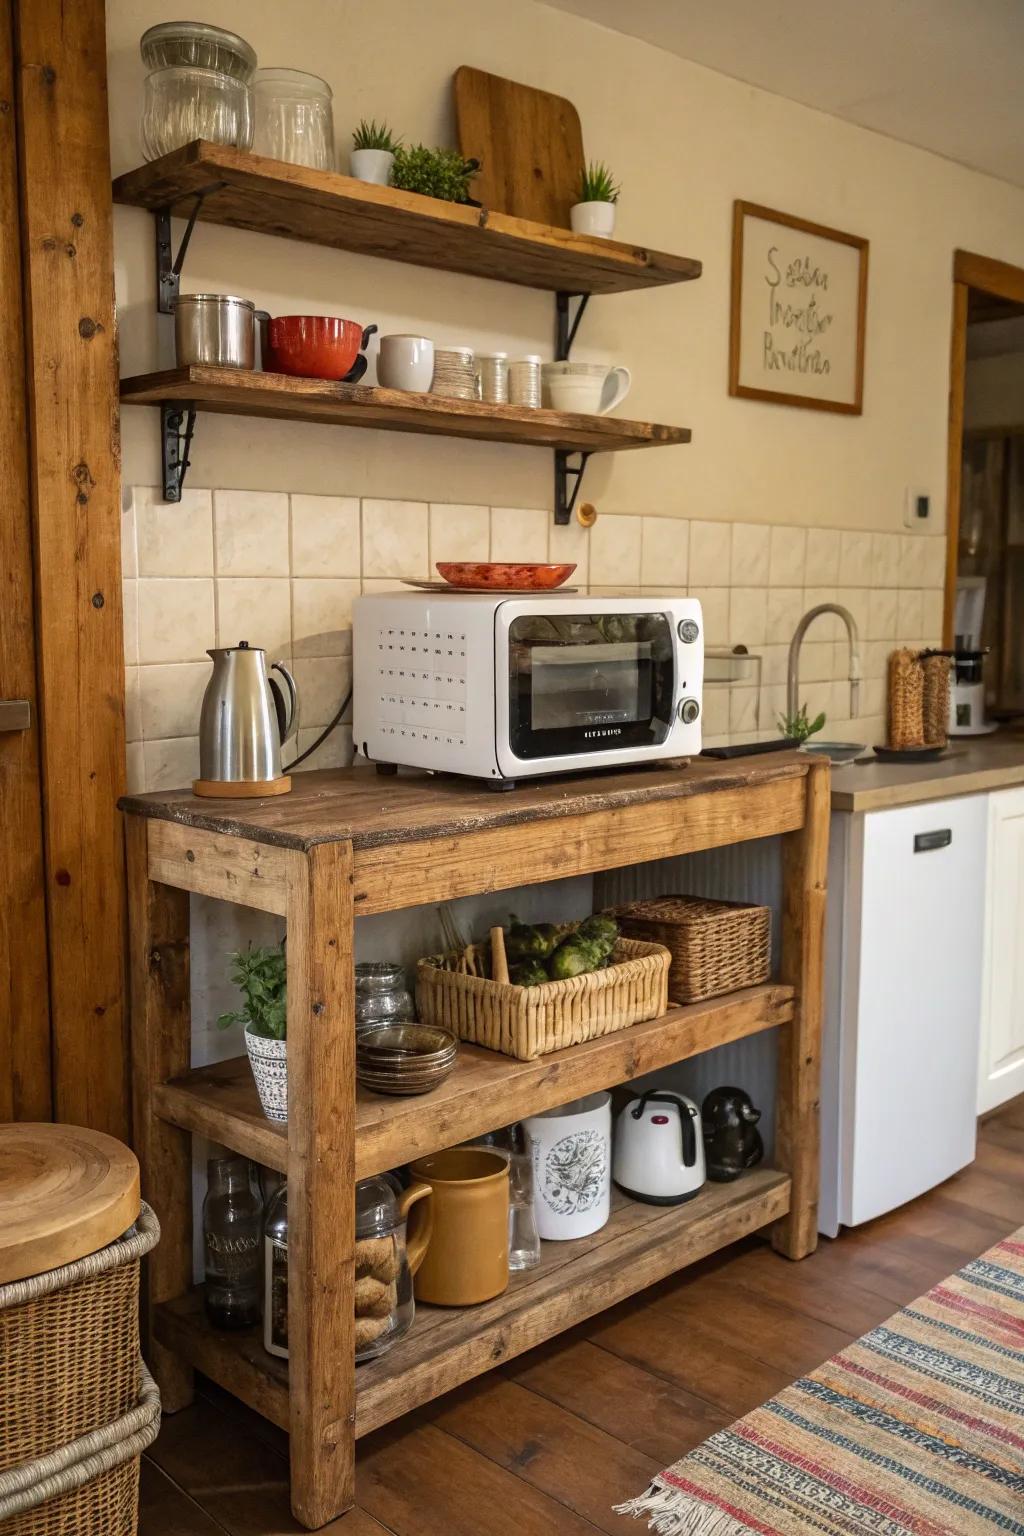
[[484, 1090], [448, 1345], [272, 197], [235, 392]]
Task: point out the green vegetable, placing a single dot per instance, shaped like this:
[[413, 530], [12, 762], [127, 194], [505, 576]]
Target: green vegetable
[[528, 973], [601, 929], [576, 957], [797, 727], [261, 976], [374, 135], [525, 940], [598, 185], [439, 173]]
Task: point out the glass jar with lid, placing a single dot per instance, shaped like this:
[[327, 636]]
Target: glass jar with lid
[[392, 1233], [382, 996]]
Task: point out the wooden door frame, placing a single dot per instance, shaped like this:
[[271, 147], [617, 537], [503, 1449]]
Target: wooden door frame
[[71, 393], [1002, 281]]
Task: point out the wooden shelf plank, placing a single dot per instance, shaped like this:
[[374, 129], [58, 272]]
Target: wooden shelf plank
[[237, 392], [485, 1090], [272, 197], [446, 1346]]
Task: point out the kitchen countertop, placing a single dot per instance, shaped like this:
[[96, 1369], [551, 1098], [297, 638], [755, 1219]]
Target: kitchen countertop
[[971, 767]]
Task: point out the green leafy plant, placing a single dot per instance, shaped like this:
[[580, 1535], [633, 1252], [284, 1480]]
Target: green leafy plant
[[439, 173], [598, 185], [797, 727], [374, 135], [261, 977]]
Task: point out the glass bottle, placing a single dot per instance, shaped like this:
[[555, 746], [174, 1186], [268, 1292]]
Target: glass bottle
[[381, 993], [232, 1223], [523, 1238], [275, 1276]]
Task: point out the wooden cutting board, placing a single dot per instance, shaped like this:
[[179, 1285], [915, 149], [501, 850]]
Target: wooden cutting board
[[529, 144], [64, 1192]]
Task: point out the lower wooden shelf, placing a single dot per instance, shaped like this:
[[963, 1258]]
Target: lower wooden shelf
[[485, 1090], [446, 1346]]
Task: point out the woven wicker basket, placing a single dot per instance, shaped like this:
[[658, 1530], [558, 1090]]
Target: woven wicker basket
[[716, 946], [906, 701], [455, 991], [77, 1406]]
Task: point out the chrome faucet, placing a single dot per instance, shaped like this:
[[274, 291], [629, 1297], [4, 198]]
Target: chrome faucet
[[793, 669]]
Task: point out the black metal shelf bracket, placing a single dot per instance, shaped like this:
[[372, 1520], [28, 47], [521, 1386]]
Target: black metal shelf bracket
[[566, 326], [565, 498], [168, 268], [177, 423]]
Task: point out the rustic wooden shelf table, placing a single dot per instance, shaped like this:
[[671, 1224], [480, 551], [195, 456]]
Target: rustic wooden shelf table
[[346, 843]]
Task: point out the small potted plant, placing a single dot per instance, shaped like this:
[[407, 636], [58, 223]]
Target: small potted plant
[[797, 728], [594, 214], [441, 173], [261, 977], [373, 152]]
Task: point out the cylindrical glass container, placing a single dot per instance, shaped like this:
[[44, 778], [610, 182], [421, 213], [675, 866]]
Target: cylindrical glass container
[[523, 1237], [197, 42], [232, 1224], [524, 382], [492, 372], [275, 1276], [381, 993], [184, 102], [387, 1257], [294, 118]]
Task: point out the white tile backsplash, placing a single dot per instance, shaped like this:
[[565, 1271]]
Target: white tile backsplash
[[250, 533], [173, 538], [289, 568]]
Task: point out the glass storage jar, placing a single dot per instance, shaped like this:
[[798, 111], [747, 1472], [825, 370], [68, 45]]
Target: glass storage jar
[[294, 118], [232, 1224], [197, 42], [275, 1276], [381, 993], [184, 102], [387, 1257]]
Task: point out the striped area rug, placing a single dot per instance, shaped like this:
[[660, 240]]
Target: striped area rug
[[916, 1429]]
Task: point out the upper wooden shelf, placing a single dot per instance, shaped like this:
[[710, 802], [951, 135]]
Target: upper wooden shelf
[[238, 392], [273, 197]]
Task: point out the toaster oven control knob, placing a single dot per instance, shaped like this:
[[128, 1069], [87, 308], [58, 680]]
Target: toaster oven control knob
[[689, 709], [688, 631]]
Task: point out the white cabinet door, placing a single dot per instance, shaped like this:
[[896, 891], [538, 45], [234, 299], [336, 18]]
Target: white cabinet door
[[1001, 1073], [909, 1121]]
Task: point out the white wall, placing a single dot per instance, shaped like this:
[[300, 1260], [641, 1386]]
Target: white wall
[[685, 142]]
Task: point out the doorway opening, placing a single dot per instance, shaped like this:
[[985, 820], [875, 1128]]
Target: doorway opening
[[984, 598]]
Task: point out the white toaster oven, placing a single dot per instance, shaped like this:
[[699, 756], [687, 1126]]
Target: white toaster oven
[[501, 688]]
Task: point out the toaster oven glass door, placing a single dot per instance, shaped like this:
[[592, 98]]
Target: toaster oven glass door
[[589, 682]]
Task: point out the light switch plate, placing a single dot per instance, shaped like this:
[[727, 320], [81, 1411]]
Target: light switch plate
[[913, 515]]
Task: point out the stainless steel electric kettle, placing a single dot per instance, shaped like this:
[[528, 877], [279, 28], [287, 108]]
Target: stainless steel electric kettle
[[246, 719]]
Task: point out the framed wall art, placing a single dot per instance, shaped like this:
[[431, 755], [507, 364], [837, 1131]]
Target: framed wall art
[[799, 298]]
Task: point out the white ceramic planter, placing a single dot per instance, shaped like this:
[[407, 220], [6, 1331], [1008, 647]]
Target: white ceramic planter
[[372, 165], [593, 219], [269, 1062], [572, 1159]]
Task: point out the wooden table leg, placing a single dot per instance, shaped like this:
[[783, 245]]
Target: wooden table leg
[[321, 1182], [797, 1136], [161, 1036]]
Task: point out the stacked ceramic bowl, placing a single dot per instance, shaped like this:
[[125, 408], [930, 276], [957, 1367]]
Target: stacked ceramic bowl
[[404, 1058], [454, 373]]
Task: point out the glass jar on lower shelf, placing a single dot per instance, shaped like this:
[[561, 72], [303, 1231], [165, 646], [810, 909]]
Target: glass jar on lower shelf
[[232, 1224], [382, 996]]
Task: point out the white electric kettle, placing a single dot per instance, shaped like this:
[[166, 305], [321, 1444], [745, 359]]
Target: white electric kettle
[[659, 1150]]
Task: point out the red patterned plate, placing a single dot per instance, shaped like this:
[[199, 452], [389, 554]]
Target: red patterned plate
[[489, 574]]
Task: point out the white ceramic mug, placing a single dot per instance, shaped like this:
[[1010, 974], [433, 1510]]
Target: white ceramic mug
[[572, 1158], [590, 389], [406, 362]]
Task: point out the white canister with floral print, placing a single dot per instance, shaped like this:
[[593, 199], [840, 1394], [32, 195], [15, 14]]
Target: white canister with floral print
[[572, 1162]]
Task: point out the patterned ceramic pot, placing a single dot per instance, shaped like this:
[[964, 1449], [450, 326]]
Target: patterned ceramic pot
[[572, 1158], [269, 1062]]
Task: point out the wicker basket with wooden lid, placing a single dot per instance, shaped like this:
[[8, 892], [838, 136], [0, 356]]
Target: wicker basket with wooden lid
[[716, 946]]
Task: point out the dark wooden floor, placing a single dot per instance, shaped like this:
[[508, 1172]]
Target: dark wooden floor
[[548, 1444]]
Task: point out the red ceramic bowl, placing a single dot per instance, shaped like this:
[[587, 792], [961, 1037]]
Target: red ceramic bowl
[[311, 346], [508, 577]]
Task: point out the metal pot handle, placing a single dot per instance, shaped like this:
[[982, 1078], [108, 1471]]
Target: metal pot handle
[[262, 319], [287, 716]]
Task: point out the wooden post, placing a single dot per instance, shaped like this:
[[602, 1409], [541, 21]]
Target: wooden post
[[321, 1182], [68, 260], [797, 1132], [24, 985], [954, 453], [161, 1014]]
